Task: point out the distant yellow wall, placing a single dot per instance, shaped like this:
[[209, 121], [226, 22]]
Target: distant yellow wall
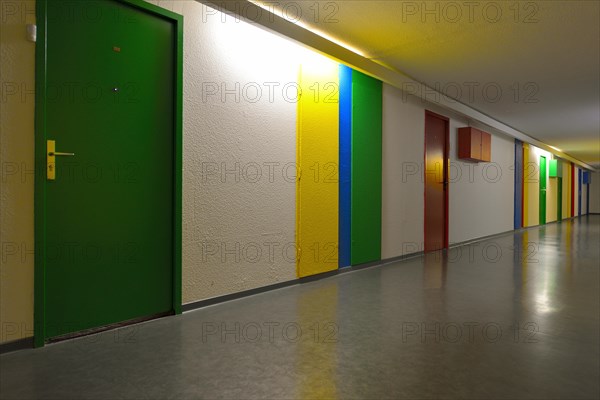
[[576, 189], [16, 158], [551, 199], [566, 190], [317, 157], [594, 188], [531, 184], [525, 185], [551, 192], [570, 191]]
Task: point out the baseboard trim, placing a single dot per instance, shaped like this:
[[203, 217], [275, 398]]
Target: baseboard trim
[[481, 239], [195, 305], [234, 296], [15, 345], [251, 292], [552, 222], [109, 327]]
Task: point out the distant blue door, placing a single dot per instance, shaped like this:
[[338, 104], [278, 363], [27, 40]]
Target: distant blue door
[[518, 221]]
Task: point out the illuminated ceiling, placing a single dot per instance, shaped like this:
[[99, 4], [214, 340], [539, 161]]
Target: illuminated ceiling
[[533, 65]]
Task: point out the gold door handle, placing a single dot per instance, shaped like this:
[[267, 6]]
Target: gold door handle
[[51, 159]]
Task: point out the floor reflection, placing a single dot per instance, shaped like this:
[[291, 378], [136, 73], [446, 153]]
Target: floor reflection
[[316, 355], [435, 265]]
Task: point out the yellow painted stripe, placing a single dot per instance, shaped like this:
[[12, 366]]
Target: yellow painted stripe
[[526, 180], [566, 188], [551, 200], [552, 185], [568, 171], [317, 157]]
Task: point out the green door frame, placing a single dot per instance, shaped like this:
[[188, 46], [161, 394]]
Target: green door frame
[[40, 159], [559, 200], [543, 188]]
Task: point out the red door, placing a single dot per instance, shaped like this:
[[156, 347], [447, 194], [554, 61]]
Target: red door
[[436, 181]]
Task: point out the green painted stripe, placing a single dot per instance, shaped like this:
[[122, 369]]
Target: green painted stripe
[[366, 168]]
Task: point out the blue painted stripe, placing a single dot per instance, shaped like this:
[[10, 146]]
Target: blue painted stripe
[[345, 194], [518, 222], [586, 177]]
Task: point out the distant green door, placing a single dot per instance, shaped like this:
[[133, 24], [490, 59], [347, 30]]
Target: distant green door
[[542, 190], [559, 200], [109, 212]]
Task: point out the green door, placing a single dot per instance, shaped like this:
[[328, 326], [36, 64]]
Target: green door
[[542, 190], [559, 200], [109, 225]]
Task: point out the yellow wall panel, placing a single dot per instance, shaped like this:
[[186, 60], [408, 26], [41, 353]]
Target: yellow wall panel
[[526, 178], [551, 193], [566, 190], [531, 185], [317, 156], [17, 155], [576, 191]]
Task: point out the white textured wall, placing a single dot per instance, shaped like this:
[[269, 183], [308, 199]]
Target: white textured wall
[[595, 193], [17, 165], [481, 194], [238, 226], [402, 197], [584, 190]]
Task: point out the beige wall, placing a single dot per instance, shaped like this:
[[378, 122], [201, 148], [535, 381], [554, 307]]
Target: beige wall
[[595, 193], [238, 227], [402, 178], [551, 198], [583, 194], [16, 160], [481, 194]]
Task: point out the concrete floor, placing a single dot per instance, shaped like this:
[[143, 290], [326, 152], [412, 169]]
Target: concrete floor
[[513, 317]]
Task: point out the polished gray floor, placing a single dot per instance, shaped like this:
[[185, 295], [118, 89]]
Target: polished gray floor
[[513, 317]]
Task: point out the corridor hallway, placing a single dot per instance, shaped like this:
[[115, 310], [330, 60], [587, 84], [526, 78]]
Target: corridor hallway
[[515, 316]]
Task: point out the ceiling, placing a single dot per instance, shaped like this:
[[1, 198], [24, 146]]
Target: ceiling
[[532, 65]]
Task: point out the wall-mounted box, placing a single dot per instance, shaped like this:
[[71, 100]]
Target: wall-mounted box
[[554, 167], [586, 178], [474, 144]]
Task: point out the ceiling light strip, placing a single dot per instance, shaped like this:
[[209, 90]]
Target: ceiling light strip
[[282, 27]]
